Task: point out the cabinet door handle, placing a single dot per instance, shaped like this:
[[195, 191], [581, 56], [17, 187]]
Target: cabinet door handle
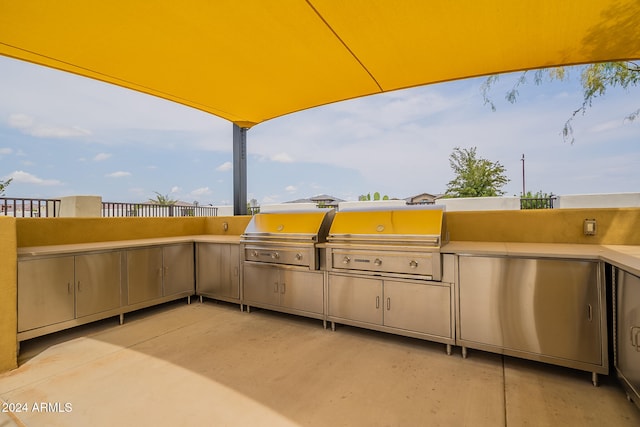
[[283, 288], [69, 287], [635, 337], [79, 290], [235, 271], [589, 312], [377, 302], [275, 287], [388, 304]]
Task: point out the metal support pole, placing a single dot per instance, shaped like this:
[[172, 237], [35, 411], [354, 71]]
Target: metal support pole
[[524, 194], [239, 170]]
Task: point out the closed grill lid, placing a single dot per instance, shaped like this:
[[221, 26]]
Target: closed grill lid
[[289, 226], [396, 226]]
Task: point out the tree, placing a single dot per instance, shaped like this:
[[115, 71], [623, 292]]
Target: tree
[[595, 80], [4, 185], [376, 197], [475, 177], [162, 200]]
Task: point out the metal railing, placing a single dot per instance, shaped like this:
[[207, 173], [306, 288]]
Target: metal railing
[[120, 209], [29, 208], [537, 203]]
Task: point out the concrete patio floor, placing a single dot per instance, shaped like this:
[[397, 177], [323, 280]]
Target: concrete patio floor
[[210, 364]]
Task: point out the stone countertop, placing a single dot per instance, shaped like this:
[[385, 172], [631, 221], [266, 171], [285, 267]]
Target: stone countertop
[[626, 257], [24, 252]]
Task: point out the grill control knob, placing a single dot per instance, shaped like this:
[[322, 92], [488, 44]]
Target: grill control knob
[[255, 254], [275, 255], [346, 260], [298, 256], [413, 264], [377, 262]]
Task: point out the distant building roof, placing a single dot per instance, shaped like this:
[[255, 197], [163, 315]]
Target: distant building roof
[[321, 198]]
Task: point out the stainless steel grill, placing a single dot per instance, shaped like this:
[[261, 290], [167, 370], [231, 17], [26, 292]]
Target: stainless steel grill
[[395, 243], [286, 238]]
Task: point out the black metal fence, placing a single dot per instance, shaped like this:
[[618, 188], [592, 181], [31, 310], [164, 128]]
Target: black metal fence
[[118, 209], [537, 203], [29, 208]]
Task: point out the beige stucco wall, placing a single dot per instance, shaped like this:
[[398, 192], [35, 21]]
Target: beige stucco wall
[[8, 294]]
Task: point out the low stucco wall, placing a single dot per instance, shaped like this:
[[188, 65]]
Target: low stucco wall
[[615, 226], [8, 294]]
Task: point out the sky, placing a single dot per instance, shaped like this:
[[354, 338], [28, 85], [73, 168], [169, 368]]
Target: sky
[[63, 135]]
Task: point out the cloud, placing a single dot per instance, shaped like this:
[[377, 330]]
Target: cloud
[[28, 178], [175, 189], [282, 158], [118, 174], [226, 166], [291, 188], [204, 191], [29, 126], [5, 151], [101, 156]]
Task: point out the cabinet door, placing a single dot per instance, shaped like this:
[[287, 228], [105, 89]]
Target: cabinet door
[[178, 269], [355, 298], [261, 285], [301, 290], [418, 307], [45, 292], [97, 283], [218, 270], [144, 274], [543, 306], [628, 328]]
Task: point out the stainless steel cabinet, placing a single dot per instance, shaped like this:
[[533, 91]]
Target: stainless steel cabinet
[[144, 275], [627, 345], [408, 307], [158, 273], [178, 267], [46, 293], [284, 289], [218, 271], [97, 283], [550, 310], [59, 292]]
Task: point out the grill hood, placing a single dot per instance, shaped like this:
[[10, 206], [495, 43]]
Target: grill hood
[[303, 227], [396, 226]]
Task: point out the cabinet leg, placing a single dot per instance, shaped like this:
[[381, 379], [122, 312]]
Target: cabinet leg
[[189, 300], [594, 379], [448, 349], [324, 323], [241, 307], [121, 318], [464, 352], [248, 309], [200, 299], [333, 326]]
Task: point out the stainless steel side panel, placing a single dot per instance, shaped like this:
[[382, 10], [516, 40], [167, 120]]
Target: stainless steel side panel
[[628, 332], [545, 309], [45, 292]]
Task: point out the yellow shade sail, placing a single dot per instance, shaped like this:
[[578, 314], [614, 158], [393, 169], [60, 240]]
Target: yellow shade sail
[[252, 60]]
